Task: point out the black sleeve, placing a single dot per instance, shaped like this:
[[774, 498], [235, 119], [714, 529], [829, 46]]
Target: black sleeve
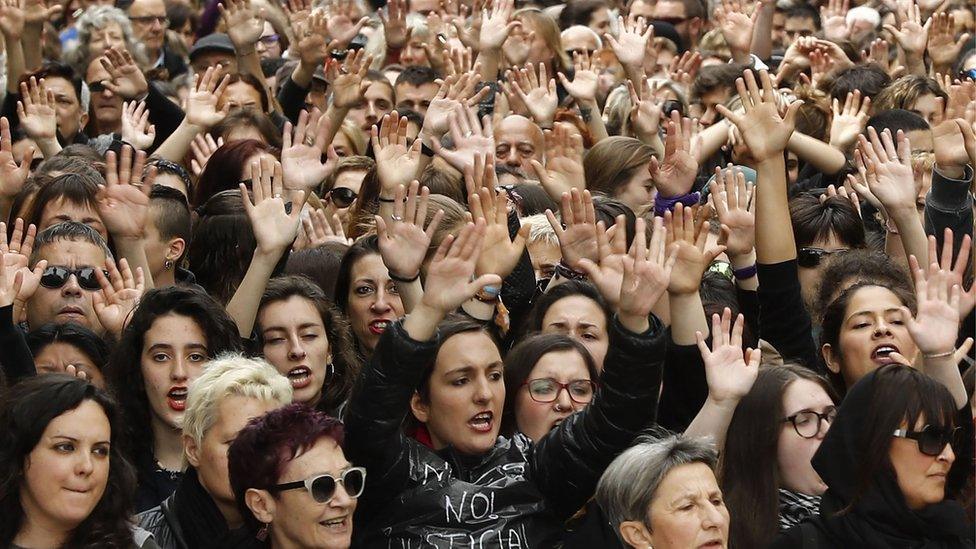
[[783, 319], [291, 97], [685, 387], [749, 307], [568, 462], [9, 109], [965, 450], [949, 204], [379, 403], [15, 357], [163, 113], [518, 289]]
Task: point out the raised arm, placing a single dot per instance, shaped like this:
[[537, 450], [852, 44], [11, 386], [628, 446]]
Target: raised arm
[[689, 238], [201, 114], [12, 19], [244, 27]]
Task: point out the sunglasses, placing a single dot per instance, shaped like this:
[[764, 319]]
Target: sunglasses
[[931, 440], [96, 87], [673, 21], [322, 488], [811, 257], [547, 390], [672, 105], [342, 197], [56, 277]]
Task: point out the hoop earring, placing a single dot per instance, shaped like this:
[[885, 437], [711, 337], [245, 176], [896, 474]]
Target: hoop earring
[[329, 370], [167, 265]]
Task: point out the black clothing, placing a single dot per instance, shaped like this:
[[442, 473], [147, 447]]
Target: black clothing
[[684, 389], [518, 491], [189, 519], [16, 361], [291, 97], [783, 319], [880, 519], [949, 204], [155, 483]]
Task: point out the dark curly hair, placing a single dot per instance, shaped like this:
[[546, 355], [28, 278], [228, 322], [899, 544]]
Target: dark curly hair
[[124, 370], [25, 412], [341, 342]]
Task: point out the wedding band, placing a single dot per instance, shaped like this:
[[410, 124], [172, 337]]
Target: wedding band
[[396, 218], [277, 195], [469, 134]]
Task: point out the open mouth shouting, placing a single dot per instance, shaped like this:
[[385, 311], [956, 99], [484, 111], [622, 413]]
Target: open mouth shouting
[[882, 354], [300, 377], [482, 422], [377, 327], [176, 398]]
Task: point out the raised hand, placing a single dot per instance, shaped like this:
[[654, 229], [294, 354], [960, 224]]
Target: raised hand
[[453, 93], [496, 25], [301, 162], [396, 163], [848, 122], [471, 137], [311, 34], [564, 161], [630, 46], [394, 19], [936, 324], [16, 253], [244, 23], [274, 227], [136, 129], [123, 201], [319, 229], [736, 212], [12, 175], [889, 170], [577, 231], [348, 79], [693, 258], [403, 241], [608, 274], [203, 146], [450, 277], [684, 69], [729, 372], [342, 21], [834, 18], [943, 47], [764, 130], [119, 296], [36, 110], [676, 174], [736, 26], [585, 78], [125, 78], [12, 19], [951, 152], [201, 101], [499, 253], [952, 275], [912, 35], [646, 276], [537, 91], [646, 110]]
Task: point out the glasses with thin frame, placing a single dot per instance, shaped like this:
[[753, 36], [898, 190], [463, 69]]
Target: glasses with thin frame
[[547, 390]]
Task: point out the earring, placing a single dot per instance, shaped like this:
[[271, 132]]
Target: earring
[[262, 534], [329, 370], [167, 265]]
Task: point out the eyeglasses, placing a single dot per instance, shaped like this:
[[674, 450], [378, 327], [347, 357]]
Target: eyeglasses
[[150, 19], [811, 257], [581, 51], [269, 40], [547, 390], [96, 87], [56, 277], [931, 440], [673, 21], [342, 197], [322, 488], [808, 423]]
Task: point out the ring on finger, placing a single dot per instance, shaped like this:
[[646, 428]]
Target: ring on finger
[[396, 217]]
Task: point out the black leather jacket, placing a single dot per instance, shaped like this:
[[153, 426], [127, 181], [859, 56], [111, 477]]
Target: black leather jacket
[[164, 525], [518, 494]]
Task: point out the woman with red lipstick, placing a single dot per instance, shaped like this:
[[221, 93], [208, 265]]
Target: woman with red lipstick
[[885, 462], [173, 333], [64, 481], [468, 483], [308, 341]]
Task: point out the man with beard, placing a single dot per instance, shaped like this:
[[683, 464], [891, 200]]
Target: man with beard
[[518, 141]]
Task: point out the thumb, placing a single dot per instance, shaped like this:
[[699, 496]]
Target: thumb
[[589, 267], [521, 238], [484, 280]]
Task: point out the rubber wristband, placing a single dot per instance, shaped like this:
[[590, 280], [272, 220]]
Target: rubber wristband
[[745, 272], [662, 204], [396, 278], [387, 200]]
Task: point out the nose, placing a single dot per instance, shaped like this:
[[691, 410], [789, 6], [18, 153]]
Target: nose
[[71, 287], [563, 401], [85, 465], [882, 328], [513, 160], [948, 455], [177, 372], [708, 117], [712, 517], [295, 349], [382, 303], [482, 391], [341, 497]]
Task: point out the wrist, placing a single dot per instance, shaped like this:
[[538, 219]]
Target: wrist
[[743, 261], [727, 403], [268, 254], [634, 323], [952, 170]]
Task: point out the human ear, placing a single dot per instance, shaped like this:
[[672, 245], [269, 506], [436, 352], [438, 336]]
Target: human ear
[[191, 450], [175, 249], [635, 534], [420, 409], [261, 504], [832, 362]]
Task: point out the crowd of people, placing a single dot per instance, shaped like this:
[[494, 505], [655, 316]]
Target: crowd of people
[[320, 274]]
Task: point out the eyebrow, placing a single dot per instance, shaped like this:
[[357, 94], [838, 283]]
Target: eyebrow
[[304, 326], [869, 312]]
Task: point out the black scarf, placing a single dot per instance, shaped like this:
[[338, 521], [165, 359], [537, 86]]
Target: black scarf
[[881, 518], [202, 523]]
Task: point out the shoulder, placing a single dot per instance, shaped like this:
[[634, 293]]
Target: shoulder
[[805, 535]]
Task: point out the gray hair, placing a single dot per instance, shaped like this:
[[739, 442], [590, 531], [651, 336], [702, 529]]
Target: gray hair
[[627, 487], [68, 230], [96, 18]]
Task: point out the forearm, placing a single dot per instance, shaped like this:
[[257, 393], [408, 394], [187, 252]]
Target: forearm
[[33, 52], [421, 323], [243, 307], [590, 111], [712, 139], [134, 252], [48, 147], [822, 156], [762, 32], [687, 318], [16, 67], [745, 261], [410, 294], [945, 370], [774, 230], [635, 73], [911, 232], [712, 421], [335, 115], [915, 64], [490, 60], [177, 144], [302, 75]]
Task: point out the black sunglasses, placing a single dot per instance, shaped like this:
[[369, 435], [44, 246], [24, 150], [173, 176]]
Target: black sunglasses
[[322, 487], [96, 87], [931, 440], [811, 257], [342, 197], [55, 277], [672, 105]]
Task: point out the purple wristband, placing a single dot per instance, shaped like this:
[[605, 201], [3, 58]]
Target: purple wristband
[[745, 272], [662, 204]]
